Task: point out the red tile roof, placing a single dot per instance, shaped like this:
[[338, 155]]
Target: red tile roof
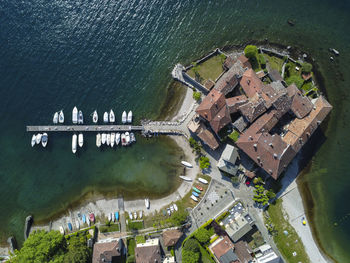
[[105, 252], [211, 105], [220, 120], [170, 237], [301, 105], [250, 83], [234, 102], [252, 109], [229, 80], [222, 247], [245, 61], [208, 138], [148, 254]]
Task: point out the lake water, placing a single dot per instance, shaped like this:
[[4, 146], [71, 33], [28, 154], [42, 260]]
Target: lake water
[[103, 54]]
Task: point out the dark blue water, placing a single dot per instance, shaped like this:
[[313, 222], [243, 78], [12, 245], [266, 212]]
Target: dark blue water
[[119, 54]]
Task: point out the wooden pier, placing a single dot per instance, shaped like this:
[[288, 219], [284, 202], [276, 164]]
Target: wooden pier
[[84, 128]]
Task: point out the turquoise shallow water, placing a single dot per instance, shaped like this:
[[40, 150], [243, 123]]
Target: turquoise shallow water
[[102, 54]]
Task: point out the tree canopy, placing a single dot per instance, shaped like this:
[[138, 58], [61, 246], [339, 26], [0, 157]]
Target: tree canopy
[[251, 51], [179, 217], [191, 245], [190, 257], [196, 95], [204, 162], [306, 68], [202, 235]]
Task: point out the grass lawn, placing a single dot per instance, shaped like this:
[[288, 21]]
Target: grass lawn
[[134, 225], [140, 239], [274, 62], [210, 69], [205, 256], [287, 244], [234, 135], [131, 245], [111, 228]]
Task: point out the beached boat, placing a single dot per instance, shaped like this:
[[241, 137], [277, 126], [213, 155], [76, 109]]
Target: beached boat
[[92, 218], [171, 209], [186, 164], [109, 217], [124, 117], [196, 190], [111, 116], [61, 117], [103, 138], [84, 218], [203, 181], [44, 139], [117, 216], [77, 224], [80, 117], [175, 207], [75, 115], [127, 138], [98, 139], [105, 117], [112, 139], [80, 140], [38, 138], [74, 143], [141, 214], [113, 217], [147, 203], [33, 142], [135, 215], [130, 216], [62, 230], [185, 178], [70, 227], [195, 194], [168, 211], [194, 198], [87, 220], [95, 117], [117, 138], [130, 117], [55, 118], [199, 188], [123, 140], [108, 141], [132, 137]]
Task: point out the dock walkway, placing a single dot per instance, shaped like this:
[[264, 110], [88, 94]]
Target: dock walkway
[[83, 128]]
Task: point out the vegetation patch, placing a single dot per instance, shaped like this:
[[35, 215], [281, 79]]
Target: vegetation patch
[[140, 239], [274, 62], [131, 244], [109, 228], [135, 225], [197, 95], [234, 135]]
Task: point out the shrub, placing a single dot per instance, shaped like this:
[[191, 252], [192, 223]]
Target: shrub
[[270, 194], [204, 162], [202, 235], [179, 217], [251, 51], [190, 257], [196, 95], [234, 135], [140, 239], [195, 145], [262, 60], [297, 80], [130, 259], [191, 245], [306, 68]]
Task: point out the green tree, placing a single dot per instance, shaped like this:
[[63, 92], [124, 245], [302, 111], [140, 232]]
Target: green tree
[[270, 194], [196, 95], [202, 235], [190, 257], [204, 162], [297, 80], [130, 259], [306, 68], [222, 58], [258, 180], [262, 60], [191, 245], [195, 145], [179, 217], [251, 51], [78, 252]]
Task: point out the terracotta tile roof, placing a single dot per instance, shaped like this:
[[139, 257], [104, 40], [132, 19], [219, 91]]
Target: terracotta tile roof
[[245, 61], [209, 84], [252, 109], [221, 119], [105, 252], [301, 105], [240, 124], [211, 105], [171, 237], [243, 251], [148, 254], [222, 247], [229, 80], [229, 61], [234, 102], [208, 138], [265, 123], [250, 83], [261, 74]]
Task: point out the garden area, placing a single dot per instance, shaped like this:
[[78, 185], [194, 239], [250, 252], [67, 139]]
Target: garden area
[[109, 228], [131, 244], [134, 225], [209, 69], [274, 62], [284, 235]]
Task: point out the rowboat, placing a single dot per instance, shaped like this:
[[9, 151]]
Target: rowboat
[[109, 217], [77, 224], [92, 218], [70, 227], [199, 188], [185, 178], [113, 217], [130, 216], [84, 218], [196, 190], [195, 194], [116, 216], [140, 214], [188, 165], [194, 198], [147, 203], [105, 117], [203, 181], [135, 215], [88, 221]]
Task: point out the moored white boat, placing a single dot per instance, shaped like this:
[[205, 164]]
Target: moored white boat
[[61, 117], [55, 118], [33, 142], [132, 137], [105, 117], [135, 215], [127, 138], [108, 139], [202, 180], [111, 116], [80, 117], [87, 221], [147, 203], [130, 117], [75, 115], [123, 140], [98, 139], [109, 217], [185, 178], [80, 140], [74, 143], [104, 138], [44, 139], [77, 224], [95, 117], [175, 207], [38, 138], [186, 164], [112, 139], [113, 218], [194, 198], [117, 138], [124, 117], [140, 214]]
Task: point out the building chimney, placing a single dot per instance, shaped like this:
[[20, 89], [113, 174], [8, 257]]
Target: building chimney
[[250, 138], [255, 146], [271, 145], [258, 158], [248, 81], [270, 171], [275, 155]]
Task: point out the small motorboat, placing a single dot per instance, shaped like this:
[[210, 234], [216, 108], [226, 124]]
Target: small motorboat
[[135, 215], [168, 211], [291, 22], [199, 188], [95, 117], [104, 138], [38, 138], [44, 139], [74, 143], [141, 214], [124, 117], [113, 217], [75, 115], [105, 117], [55, 118], [70, 227], [130, 216], [92, 218], [109, 217], [195, 194], [77, 224], [171, 209], [203, 181], [196, 190], [61, 117], [130, 117], [84, 218], [62, 230], [175, 207], [111, 116], [127, 138], [87, 221], [80, 117], [112, 139], [117, 216], [188, 165], [80, 140], [123, 139], [33, 142], [132, 137], [108, 139], [147, 203], [117, 138], [185, 178], [98, 139], [194, 198]]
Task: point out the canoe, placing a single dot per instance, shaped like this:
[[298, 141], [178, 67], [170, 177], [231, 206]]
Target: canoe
[[70, 226], [195, 194], [203, 181], [194, 198], [185, 178], [116, 216], [188, 165], [196, 190]]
